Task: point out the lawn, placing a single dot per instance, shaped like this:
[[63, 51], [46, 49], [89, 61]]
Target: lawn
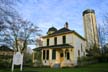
[[101, 67]]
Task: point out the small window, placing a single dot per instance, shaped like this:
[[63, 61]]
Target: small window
[[47, 57], [54, 54], [47, 42], [55, 41], [64, 39], [68, 55], [79, 53], [43, 54], [81, 48]]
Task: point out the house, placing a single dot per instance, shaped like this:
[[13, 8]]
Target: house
[[62, 47], [4, 50], [6, 53]]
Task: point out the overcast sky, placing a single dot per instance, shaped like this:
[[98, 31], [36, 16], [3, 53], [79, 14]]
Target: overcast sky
[[48, 13]]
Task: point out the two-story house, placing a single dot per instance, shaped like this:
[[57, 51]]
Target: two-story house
[[62, 47]]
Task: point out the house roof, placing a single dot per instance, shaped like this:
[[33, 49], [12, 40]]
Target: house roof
[[5, 48], [55, 46], [58, 32], [52, 29], [63, 31]]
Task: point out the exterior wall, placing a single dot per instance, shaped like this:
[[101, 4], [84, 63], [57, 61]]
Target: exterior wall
[[68, 62], [51, 41], [71, 39], [6, 56], [44, 42], [59, 39], [6, 53], [62, 60], [77, 46]]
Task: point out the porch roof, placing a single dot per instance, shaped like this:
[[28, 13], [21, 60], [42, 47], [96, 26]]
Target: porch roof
[[58, 46]]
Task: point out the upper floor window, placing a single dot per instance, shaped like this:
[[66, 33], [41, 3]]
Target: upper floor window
[[81, 48], [79, 53], [47, 42], [64, 39], [55, 41]]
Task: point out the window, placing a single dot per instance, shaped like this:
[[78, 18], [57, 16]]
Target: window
[[68, 55], [64, 39], [54, 54], [81, 48], [47, 57], [55, 41], [79, 53], [47, 42], [43, 54]]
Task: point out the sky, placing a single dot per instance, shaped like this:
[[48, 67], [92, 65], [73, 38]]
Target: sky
[[48, 13]]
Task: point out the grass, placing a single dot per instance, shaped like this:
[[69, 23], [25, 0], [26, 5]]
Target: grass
[[100, 67]]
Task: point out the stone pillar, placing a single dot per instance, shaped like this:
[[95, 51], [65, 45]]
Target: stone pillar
[[33, 57]]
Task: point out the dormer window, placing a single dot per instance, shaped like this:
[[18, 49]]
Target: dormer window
[[51, 30]]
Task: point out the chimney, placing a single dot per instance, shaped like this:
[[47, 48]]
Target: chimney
[[66, 25]]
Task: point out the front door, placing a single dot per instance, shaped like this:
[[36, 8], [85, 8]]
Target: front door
[[60, 56]]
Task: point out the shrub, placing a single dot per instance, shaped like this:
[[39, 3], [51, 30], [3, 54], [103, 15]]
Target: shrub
[[84, 60]]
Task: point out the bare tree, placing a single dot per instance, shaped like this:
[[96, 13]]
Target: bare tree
[[103, 31], [19, 33], [7, 11], [13, 29]]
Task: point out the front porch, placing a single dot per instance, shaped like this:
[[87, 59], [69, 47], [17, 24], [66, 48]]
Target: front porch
[[58, 57]]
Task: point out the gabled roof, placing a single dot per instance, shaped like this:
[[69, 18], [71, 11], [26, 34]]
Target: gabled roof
[[63, 31], [5, 48]]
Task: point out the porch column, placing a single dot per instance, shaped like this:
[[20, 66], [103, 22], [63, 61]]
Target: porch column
[[64, 54], [57, 57], [50, 54]]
